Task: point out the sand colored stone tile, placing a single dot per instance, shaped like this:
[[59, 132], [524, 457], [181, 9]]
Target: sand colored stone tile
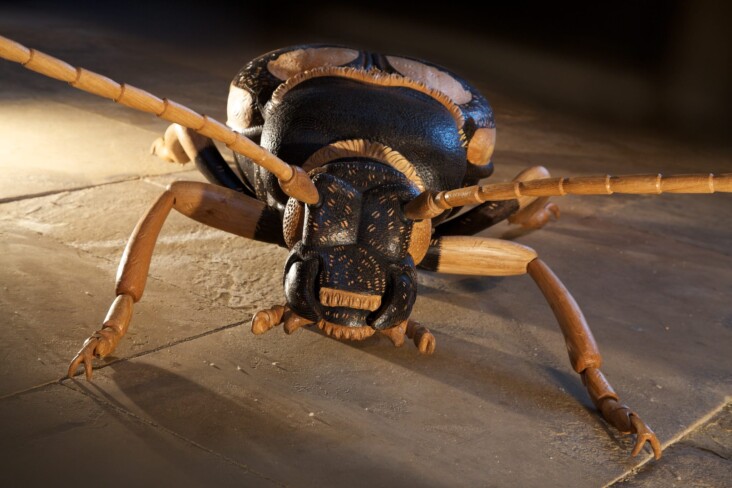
[[53, 297]]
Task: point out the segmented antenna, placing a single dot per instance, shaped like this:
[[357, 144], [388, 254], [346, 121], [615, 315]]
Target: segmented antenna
[[428, 205], [293, 180]]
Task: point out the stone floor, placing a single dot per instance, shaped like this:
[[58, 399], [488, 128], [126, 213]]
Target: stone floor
[[192, 398]]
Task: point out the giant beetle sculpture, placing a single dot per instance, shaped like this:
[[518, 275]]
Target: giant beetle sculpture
[[381, 152]]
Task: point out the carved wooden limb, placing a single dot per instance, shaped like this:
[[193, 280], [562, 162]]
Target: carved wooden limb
[[429, 205], [481, 256], [208, 204], [493, 257], [290, 177], [586, 360]]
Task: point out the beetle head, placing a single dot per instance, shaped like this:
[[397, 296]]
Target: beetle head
[[352, 261]]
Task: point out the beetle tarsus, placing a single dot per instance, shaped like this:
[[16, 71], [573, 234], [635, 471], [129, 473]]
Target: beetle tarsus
[[536, 215], [265, 320], [423, 338], [396, 334], [98, 345], [618, 415]]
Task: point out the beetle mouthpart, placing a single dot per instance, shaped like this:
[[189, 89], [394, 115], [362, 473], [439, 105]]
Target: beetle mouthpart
[[342, 332], [330, 297]]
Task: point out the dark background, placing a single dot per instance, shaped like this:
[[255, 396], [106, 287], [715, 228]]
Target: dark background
[[659, 66]]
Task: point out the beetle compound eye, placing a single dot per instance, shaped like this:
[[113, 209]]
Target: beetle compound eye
[[292, 222]]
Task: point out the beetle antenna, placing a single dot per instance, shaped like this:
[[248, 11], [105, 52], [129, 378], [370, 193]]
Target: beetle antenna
[[428, 205], [293, 179]]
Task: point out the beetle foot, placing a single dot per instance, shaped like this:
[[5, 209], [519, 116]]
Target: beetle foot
[[536, 215], [266, 319], [396, 334], [293, 321], [98, 345], [423, 338], [628, 422]]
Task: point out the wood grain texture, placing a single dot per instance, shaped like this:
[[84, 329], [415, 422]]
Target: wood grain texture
[[581, 345], [218, 207], [480, 256], [135, 264], [427, 205]]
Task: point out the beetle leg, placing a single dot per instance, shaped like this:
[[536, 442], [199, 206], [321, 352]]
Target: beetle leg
[[181, 145], [422, 337], [494, 257], [528, 212], [209, 204], [266, 319]]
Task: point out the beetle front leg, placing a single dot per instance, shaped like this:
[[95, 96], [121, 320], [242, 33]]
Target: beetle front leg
[[212, 205], [494, 257]]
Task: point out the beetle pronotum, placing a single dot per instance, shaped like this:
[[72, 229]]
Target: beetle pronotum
[[373, 203]]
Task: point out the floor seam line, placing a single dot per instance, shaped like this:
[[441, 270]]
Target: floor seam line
[[163, 347], [20, 198], [674, 440], [29, 389]]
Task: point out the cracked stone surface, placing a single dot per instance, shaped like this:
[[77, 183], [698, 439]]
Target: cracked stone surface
[[191, 393]]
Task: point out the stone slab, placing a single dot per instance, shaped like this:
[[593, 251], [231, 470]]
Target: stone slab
[[652, 275], [703, 458], [58, 437], [53, 297]]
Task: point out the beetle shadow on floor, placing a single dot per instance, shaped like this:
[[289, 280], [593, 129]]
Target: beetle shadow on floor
[[523, 385], [243, 431]]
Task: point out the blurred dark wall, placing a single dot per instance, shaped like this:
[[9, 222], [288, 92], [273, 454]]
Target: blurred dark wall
[[659, 65]]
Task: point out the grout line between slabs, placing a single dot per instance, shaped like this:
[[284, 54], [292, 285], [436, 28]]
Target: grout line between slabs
[[65, 190], [675, 439], [173, 433], [30, 389], [143, 178], [162, 347], [63, 379]]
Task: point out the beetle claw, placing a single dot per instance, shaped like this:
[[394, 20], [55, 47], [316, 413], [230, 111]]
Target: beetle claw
[[95, 346], [644, 434]]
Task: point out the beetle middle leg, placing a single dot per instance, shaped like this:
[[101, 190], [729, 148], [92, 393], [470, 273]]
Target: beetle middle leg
[[209, 204], [528, 212], [494, 257]]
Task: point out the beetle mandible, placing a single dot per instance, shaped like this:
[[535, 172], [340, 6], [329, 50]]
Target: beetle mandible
[[357, 162]]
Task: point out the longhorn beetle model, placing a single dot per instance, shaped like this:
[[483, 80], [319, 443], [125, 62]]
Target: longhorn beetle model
[[381, 151]]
